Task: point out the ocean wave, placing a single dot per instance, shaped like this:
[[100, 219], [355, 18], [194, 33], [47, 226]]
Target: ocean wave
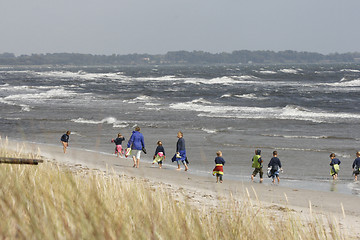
[[226, 96], [200, 100], [350, 70], [347, 83], [248, 96], [288, 112], [220, 80], [109, 120], [81, 75], [267, 72], [24, 107], [290, 70], [211, 131], [308, 137], [141, 99], [53, 93]]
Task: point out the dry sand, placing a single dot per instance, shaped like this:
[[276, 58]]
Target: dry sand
[[204, 192]]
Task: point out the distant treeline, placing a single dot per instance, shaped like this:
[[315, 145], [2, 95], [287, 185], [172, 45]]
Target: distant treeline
[[180, 57]]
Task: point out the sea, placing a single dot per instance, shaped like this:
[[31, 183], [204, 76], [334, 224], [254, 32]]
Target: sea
[[305, 112]]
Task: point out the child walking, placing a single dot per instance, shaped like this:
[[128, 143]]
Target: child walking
[[159, 155], [356, 166], [335, 168], [118, 141], [257, 165], [275, 166], [65, 140], [219, 167]]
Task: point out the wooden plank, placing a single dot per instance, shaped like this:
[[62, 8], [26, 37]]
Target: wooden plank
[[20, 160]]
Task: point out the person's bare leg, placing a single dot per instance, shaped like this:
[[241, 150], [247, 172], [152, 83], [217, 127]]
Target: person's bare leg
[[64, 146], [138, 163], [134, 159], [186, 167]]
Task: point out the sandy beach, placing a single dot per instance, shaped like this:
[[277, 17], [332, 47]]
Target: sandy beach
[[203, 192]]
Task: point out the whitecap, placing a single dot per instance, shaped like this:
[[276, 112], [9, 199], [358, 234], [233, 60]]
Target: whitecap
[[109, 120], [289, 70], [288, 112], [248, 96], [226, 96], [200, 100], [53, 93], [210, 131], [24, 107], [141, 99], [267, 72], [218, 80], [347, 83], [350, 70]]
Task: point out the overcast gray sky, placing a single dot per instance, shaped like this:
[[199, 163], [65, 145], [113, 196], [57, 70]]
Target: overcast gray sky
[[159, 26]]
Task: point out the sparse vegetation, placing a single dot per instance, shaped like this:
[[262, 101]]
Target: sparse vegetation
[[54, 202]]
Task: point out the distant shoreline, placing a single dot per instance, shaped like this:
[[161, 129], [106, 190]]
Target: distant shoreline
[[179, 58]]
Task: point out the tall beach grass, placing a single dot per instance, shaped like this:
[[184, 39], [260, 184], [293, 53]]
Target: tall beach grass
[[48, 201]]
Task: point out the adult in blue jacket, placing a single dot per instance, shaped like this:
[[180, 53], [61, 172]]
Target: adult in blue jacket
[[136, 143], [180, 151]]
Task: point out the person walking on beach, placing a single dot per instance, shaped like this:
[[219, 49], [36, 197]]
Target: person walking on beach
[[335, 168], [180, 151], [159, 155], [118, 147], [65, 140], [137, 144], [219, 167], [275, 166], [356, 165], [257, 165]]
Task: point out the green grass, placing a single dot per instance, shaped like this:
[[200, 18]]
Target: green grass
[[52, 202]]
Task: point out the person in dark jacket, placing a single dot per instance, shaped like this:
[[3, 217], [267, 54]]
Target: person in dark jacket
[[334, 163], [65, 140], [356, 165], [118, 144], [180, 151], [137, 144], [159, 155], [275, 165]]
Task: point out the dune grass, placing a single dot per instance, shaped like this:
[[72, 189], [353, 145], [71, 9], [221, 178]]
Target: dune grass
[[53, 202]]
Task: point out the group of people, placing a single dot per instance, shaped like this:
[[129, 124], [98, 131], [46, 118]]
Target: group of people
[[136, 145], [274, 166], [335, 166]]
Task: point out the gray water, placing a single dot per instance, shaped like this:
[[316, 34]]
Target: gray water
[[305, 112]]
